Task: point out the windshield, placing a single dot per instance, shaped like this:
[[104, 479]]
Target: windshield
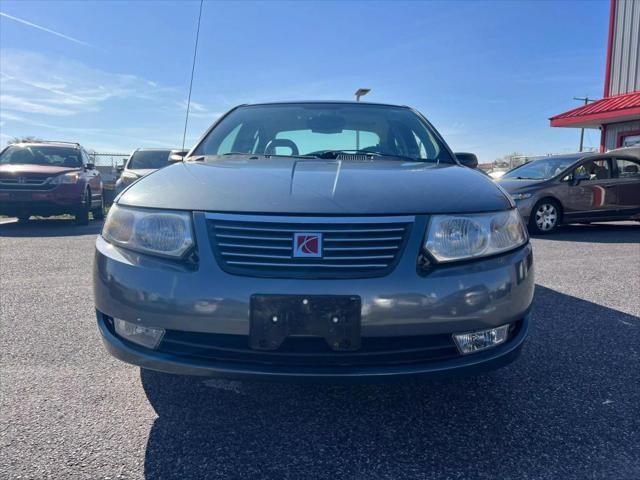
[[541, 169], [324, 130], [42, 155], [149, 159]]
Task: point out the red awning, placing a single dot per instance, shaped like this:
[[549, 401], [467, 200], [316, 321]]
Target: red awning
[[608, 110]]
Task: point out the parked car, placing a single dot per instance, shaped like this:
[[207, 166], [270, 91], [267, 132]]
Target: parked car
[[322, 240], [142, 162], [592, 187], [49, 178]]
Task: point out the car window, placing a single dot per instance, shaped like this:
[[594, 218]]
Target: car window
[[309, 141], [227, 143], [149, 159], [595, 169], [630, 140], [42, 155], [541, 169], [628, 168], [315, 128]]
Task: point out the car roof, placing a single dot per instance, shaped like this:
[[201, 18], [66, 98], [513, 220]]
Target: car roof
[[632, 151], [332, 102], [47, 144], [569, 156], [155, 149]]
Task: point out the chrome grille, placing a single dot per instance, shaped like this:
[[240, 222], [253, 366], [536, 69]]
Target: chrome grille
[[351, 246], [17, 182]]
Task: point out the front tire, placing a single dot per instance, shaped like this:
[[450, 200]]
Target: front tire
[[82, 214], [98, 213], [545, 217]]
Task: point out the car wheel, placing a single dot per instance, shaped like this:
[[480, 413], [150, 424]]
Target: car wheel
[[545, 217], [98, 213], [82, 214]]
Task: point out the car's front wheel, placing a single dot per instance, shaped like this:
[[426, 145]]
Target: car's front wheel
[[98, 213], [82, 213], [545, 217]]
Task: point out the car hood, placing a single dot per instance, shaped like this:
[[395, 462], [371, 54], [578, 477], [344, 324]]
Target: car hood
[[289, 185], [515, 185], [22, 169]]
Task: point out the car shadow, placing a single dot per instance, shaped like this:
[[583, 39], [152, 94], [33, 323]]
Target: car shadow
[[48, 227], [540, 417], [627, 232]]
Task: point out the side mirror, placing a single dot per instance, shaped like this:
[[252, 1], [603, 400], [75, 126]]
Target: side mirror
[[120, 168], [177, 155], [90, 166], [467, 159], [579, 177]]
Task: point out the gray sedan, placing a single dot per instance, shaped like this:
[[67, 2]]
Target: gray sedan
[[316, 240], [578, 188]]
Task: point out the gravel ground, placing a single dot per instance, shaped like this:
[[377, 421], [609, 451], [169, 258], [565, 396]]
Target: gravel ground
[[568, 408]]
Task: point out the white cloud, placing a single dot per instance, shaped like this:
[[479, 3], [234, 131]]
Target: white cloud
[[45, 29], [23, 105], [198, 110], [34, 83]]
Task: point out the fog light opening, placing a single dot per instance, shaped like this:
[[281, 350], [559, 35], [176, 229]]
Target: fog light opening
[[149, 337], [472, 342]]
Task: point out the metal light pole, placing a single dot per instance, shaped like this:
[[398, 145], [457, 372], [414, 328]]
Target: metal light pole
[[586, 101], [361, 92]]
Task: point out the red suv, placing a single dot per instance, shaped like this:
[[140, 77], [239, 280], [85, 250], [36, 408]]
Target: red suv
[[49, 178]]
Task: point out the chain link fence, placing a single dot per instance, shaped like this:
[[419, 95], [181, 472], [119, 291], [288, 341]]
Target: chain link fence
[[107, 163]]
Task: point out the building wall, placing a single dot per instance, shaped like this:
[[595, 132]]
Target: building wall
[[625, 48], [613, 129]]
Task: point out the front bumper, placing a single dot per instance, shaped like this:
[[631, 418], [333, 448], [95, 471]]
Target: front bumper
[[203, 299], [55, 201], [462, 365]]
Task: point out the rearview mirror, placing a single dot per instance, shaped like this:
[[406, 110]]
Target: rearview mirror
[[467, 159]]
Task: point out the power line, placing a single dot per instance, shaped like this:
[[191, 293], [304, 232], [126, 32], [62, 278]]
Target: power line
[[193, 68]]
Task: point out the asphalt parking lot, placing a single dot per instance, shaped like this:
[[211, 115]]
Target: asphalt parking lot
[[568, 408]]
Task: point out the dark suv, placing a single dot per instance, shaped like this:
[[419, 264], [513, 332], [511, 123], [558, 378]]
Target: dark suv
[[49, 178]]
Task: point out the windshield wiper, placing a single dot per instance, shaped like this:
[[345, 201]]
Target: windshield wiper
[[332, 154], [256, 155]]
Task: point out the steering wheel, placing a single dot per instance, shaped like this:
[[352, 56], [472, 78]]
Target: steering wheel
[[281, 142]]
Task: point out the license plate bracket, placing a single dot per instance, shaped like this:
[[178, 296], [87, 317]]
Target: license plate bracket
[[336, 318]]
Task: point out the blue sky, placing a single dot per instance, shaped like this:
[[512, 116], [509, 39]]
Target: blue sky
[[114, 75]]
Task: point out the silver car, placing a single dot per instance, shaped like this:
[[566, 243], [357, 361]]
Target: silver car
[[315, 240], [141, 162], [578, 188]]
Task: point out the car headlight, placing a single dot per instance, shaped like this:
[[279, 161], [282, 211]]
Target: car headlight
[[65, 178], [157, 232], [129, 177], [521, 196], [462, 237]]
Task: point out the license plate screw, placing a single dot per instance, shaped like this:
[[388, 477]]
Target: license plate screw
[[274, 319], [335, 319], [305, 301]]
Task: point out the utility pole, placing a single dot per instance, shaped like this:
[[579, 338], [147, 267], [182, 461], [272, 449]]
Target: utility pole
[[586, 101]]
